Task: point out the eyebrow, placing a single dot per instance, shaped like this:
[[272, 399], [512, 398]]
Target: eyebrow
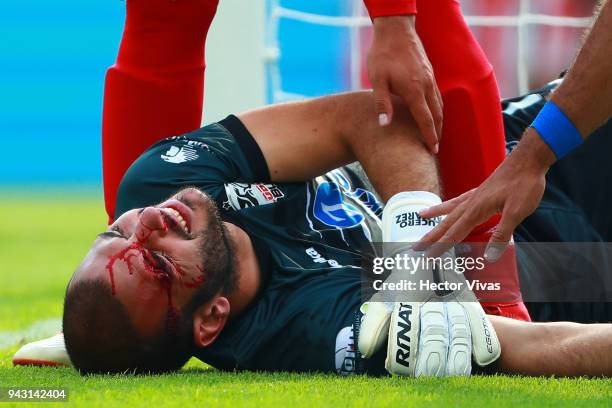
[[109, 234]]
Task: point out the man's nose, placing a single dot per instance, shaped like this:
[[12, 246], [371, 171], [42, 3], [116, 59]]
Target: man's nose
[[151, 225]]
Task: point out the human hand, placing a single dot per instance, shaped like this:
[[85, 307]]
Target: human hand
[[514, 190], [428, 334], [397, 64]]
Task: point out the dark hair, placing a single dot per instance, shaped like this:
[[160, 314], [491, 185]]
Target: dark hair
[[101, 338]]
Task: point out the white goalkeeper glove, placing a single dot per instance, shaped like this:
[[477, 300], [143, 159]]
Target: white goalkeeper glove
[[428, 335]]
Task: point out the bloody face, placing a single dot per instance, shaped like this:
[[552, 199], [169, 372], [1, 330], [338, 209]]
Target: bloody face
[[153, 258]]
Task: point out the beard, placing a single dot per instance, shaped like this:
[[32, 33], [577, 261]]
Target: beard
[[216, 250]]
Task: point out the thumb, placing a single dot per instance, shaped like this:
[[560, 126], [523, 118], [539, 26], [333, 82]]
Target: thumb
[[382, 102], [485, 344], [374, 327], [500, 239]]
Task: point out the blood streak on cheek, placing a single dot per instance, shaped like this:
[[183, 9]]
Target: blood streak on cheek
[[126, 255], [197, 281]]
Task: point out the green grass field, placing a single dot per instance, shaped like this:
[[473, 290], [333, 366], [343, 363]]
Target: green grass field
[[42, 241]]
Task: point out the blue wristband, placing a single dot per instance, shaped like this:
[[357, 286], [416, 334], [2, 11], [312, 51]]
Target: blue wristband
[[557, 130]]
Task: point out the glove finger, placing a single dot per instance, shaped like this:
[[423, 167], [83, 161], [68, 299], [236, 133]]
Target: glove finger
[[459, 360], [374, 327], [403, 339], [433, 341], [485, 344]]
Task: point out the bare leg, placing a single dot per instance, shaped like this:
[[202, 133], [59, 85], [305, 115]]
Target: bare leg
[[393, 157], [560, 348]]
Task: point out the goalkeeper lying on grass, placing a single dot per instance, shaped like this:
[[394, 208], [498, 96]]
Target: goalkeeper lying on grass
[[258, 266]]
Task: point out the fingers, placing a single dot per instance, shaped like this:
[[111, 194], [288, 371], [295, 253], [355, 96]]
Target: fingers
[[382, 102], [430, 339], [435, 235], [404, 338], [446, 207], [425, 105], [374, 327], [462, 219], [460, 346], [459, 230], [501, 237], [434, 101], [423, 117], [433, 341], [441, 111], [485, 344]]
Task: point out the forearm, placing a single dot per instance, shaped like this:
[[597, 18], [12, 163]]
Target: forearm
[[532, 155], [302, 140], [586, 93], [559, 348]]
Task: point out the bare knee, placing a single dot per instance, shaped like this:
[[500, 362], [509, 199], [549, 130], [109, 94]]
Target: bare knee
[[358, 119]]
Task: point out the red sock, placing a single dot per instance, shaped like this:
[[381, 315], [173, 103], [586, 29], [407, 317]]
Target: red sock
[[506, 299], [472, 143], [156, 87]]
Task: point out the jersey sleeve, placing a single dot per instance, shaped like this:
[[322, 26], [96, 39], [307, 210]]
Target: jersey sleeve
[[207, 158], [384, 8], [519, 112]]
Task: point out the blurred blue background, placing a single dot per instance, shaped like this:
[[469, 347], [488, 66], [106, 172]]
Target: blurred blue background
[[53, 56], [314, 59]]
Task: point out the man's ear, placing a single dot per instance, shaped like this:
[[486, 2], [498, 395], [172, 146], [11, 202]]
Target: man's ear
[[209, 319]]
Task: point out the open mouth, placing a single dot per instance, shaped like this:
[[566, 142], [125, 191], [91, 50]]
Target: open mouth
[[180, 213], [179, 219]]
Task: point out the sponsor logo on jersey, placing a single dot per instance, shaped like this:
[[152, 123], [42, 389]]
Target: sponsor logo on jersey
[[200, 145], [404, 326], [368, 199], [330, 208], [346, 351], [179, 155], [365, 196], [242, 195], [347, 356], [317, 258]]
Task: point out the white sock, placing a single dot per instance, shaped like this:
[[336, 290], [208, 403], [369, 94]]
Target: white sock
[[401, 219]]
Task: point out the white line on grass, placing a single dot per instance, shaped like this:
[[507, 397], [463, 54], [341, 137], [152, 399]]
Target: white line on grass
[[36, 331]]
